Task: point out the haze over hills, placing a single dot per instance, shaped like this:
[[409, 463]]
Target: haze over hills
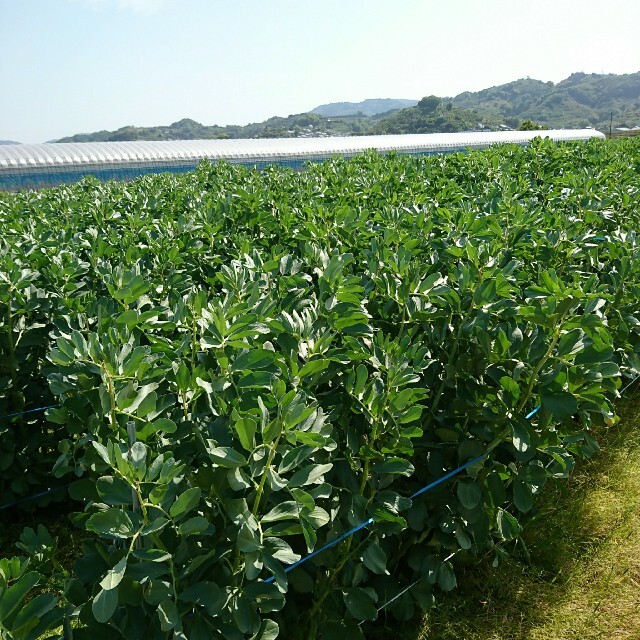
[[582, 100], [8, 142]]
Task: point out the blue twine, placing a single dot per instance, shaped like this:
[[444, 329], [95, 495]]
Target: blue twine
[[435, 483], [21, 413], [533, 413], [333, 543], [34, 497], [362, 525]]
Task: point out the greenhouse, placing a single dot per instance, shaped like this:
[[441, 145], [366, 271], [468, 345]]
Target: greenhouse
[[34, 166]]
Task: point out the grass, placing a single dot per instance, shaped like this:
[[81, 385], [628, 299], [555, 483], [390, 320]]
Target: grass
[[582, 577]]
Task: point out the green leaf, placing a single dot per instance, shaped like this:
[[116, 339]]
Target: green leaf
[[508, 526], [496, 489], [395, 522], [133, 289], [164, 424], [245, 615], [561, 405], [412, 414], [311, 474], [114, 576], [168, 615], [193, 526], [520, 436], [312, 367], [85, 489], [148, 429], [114, 491], [469, 493], [311, 438], [253, 359], [360, 603], [183, 377], [112, 523], [152, 555], [375, 559], [395, 466], [522, 496], [157, 591], [185, 502], [257, 380], [288, 510], [74, 592], [206, 594], [269, 630], [446, 577], [570, 343], [512, 390], [594, 355], [246, 429], [303, 498], [294, 457], [29, 616], [103, 453], [485, 292], [361, 379], [226, 457], [13, 597], [154, 526], [104, 604]]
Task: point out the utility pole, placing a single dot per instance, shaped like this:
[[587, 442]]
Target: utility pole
[[610, 124]]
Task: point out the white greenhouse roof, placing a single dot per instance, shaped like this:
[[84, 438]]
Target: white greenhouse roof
[[262, 150]]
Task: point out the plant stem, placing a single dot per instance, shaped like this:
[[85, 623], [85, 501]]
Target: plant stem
[[112, 396], [260, 490], [538, 368], [17, 398]]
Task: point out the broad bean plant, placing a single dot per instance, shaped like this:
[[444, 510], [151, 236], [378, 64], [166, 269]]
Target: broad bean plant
[[244, 366]]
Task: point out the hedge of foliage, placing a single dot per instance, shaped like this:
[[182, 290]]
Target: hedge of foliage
[[248, 364]]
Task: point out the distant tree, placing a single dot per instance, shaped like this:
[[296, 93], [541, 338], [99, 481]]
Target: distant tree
[[529, 125], [429, 104]]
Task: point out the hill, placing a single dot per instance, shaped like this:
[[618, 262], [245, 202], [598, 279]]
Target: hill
[[294, 126], [432, 115], [370, 107], [582, 100], [8, 142], [579, 101], [438, 118]]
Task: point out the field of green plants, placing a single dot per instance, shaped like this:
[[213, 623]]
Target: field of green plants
[[242, 366]]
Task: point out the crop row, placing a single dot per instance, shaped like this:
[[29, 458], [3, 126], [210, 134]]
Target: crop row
[[246, 365]]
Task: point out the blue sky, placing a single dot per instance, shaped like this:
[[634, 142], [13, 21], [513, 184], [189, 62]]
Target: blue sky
[[70, 66]]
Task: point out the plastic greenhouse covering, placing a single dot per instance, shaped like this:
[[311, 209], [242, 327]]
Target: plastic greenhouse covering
[[32, 166]]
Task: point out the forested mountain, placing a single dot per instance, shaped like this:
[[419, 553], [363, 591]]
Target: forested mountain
[[581, 100], [432, 115]]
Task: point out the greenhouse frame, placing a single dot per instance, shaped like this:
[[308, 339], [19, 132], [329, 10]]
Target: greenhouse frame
[[35, 166]]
